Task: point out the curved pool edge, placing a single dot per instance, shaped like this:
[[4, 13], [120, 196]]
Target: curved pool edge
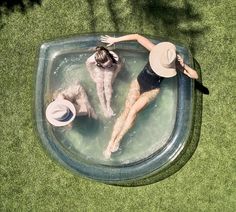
[[184, 155], [120, 175], [188, 150]]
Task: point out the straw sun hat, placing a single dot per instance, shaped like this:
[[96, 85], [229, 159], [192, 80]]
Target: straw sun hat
[[162, 59], [60, 112]]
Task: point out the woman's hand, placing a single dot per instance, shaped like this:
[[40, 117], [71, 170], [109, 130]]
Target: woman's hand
[[187, 69], [109, 40], [181, 61]]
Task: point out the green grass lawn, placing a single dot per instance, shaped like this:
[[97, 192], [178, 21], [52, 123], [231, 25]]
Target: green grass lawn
[[31, 181]]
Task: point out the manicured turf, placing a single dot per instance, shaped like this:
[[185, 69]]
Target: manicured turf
[[31, 180]]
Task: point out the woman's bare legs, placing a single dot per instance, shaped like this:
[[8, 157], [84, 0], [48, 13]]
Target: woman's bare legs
[[142, 101], [108, 75], [129, 119], [133, 95]]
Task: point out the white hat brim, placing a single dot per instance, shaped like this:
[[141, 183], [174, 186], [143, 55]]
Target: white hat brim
[[155, 60], [56, 122]]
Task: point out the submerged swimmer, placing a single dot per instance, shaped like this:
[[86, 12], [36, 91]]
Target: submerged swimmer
[[103, 66], [163, 62], [67, 104]]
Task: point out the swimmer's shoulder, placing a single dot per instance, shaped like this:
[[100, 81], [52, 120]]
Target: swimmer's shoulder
[[91, 59]]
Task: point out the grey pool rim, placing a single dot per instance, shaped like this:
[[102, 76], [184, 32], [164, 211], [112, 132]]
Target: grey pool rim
[[136, 171]]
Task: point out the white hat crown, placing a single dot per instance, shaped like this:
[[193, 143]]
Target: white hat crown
[[162, 59], [60, 112], [168, 58]]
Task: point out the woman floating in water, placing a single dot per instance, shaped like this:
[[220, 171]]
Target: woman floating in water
[[163, 62], [103, 66], [67, 104]]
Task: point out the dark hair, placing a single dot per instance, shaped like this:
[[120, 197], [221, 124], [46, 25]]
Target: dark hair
[[102, 55]]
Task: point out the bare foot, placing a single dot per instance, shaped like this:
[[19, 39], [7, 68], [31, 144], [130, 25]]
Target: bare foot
[[107, 153], [105, 112], [114, 147], [110, 112]]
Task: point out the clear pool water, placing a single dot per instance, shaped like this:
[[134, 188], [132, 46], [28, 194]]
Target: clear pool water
[[161, 129], [88, 138]]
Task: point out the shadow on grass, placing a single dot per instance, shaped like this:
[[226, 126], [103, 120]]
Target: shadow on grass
[[111, 8], [91, 6], [175, 21], [9, 6], [181, 22], [198, 83]]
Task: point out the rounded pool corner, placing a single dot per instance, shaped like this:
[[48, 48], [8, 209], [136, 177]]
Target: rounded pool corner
[[128, 170]]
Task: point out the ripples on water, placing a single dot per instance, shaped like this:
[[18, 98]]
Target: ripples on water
[[88, 138]]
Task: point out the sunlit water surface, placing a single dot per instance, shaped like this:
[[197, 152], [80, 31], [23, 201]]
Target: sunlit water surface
[[88, 138]]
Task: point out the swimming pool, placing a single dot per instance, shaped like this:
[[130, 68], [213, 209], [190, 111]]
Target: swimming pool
[[158, 137]]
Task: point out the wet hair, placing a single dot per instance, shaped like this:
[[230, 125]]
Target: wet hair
[[102, 55]]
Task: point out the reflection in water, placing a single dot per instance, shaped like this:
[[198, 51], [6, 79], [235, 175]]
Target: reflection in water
[[88, 138]]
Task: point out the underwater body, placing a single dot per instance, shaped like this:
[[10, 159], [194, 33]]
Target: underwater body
[[159, 135], [88, 137]]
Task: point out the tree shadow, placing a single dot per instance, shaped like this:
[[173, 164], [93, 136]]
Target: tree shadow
[[175, 21], [112, 10], [198, 83], [91, 6], [181, 22], [9, 6]]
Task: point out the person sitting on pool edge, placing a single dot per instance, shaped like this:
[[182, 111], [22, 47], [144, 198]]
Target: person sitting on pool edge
[[103, 66], [67, 104], [163, 62]]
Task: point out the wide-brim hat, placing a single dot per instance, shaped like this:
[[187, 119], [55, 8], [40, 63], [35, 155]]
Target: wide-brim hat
[[162, 59], [60, 112]]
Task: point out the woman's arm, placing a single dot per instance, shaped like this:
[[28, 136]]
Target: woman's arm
[[118, 65], [101, 96], [91, 65], [84, 107], [187, 69], [108, 79], [139, 38], [98, 76], [108, 95]]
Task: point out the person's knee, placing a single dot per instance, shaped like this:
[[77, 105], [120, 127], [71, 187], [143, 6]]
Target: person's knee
[[107, 86], [133, 112], [139, 105]]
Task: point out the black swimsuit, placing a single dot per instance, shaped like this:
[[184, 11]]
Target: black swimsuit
[[148, 80]]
